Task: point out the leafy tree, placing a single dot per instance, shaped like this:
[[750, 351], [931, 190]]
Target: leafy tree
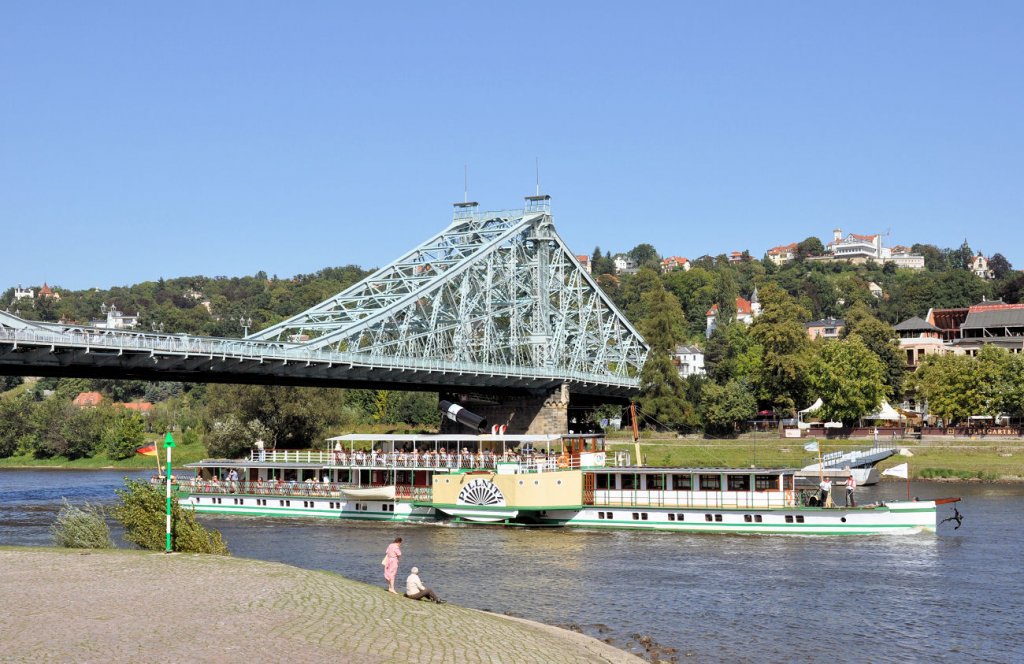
[[880, 338], [124, 436], [848, 378], [724, 407], [1000, 267], [731, 354], [229, 438], [934, 258], [960, 259], [662, 393], [637, 287], [811, 246], [601, 264], [645, 255], [10, 382], [16, 426], [958, 386], [141, 509], [295, 416], [781, 378]]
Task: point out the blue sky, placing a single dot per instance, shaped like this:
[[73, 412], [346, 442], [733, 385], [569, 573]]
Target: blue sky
[[140, 140]]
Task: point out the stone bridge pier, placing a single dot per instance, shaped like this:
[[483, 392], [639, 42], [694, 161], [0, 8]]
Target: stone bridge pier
[[546, 413]]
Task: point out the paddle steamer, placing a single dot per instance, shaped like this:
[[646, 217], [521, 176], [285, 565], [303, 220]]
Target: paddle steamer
[[556, 481]]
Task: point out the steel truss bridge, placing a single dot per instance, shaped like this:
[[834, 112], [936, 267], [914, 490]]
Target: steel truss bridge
[[494, 303]]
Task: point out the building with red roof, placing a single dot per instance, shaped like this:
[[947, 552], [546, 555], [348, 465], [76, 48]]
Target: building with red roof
[[88, 399]]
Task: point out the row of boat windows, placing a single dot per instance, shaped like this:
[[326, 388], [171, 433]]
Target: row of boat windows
[[711, 518], [334, 505], [684, 482]]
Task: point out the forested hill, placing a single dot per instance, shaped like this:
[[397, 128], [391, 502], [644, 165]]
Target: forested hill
[[214, 306], [209, 306]]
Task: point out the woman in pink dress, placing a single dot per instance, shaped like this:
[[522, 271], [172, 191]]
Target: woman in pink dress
[[391, 557]]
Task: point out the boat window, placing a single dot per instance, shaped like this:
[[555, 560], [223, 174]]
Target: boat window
[[643, 516], [628, 482], [757, 518], [636, 516], [611, 515], [718, 517], [799, 518], [748, 518], [710, 482], [655, 482], [789, 518], [601, 481], [766, 483], [707, 517], [738, 482], [682, 482], [680, 517], [671, 517]]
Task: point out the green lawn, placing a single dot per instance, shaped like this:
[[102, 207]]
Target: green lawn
[[182, 454], [972, 459]]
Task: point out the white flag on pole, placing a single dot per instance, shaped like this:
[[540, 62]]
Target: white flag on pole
[[897, 471], [811, 446]]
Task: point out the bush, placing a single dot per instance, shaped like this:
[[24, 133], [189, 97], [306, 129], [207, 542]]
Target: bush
[[142, 511], [81, 528], [124, 437]]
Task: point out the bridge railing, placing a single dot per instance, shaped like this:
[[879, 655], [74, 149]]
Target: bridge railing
[[183, 345]]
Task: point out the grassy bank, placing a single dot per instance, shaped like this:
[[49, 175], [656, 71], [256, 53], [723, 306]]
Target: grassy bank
[[182, 454], [966, 459]]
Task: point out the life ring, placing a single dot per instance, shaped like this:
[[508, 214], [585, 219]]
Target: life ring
[[563, 461]]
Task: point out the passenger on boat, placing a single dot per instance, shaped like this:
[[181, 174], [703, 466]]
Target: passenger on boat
[[414, 588], [825, 488], [851, 484]]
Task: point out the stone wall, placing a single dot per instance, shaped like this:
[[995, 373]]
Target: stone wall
[[542, 414]]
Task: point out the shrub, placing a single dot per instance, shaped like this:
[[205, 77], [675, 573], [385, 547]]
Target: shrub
[[124, 436], [81, 528], [142, 511]]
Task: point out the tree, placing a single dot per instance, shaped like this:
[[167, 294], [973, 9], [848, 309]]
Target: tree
[[731, 354], [781, 378], [141, 510], [958, 386], [1001, 268], [645, 255], [230, 438], [662, 393], [124, 436], [811, 246], [848, 378], [880, 338], [724, 407], [962, 258], [295, 416]]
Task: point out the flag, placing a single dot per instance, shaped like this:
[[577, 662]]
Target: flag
[[811, 446], [148, 450], [897, 471]]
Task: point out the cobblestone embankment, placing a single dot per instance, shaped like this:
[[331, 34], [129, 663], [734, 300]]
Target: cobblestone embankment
[[93, 606]]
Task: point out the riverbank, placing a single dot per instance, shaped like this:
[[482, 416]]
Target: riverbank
[[92, 606], [961, 459]]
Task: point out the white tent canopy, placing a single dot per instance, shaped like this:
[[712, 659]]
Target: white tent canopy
[[813, 407], [885, 412]]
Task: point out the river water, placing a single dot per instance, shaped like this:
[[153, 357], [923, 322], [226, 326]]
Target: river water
[[952, 597]]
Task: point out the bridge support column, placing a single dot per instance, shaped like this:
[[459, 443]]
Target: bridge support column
[[540, 414]]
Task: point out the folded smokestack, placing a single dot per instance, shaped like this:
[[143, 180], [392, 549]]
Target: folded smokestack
[[457, 413]]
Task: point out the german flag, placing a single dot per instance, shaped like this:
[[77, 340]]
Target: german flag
[[147, 450]]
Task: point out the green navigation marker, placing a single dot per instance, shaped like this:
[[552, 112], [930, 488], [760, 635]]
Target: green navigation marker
[[168, 445]]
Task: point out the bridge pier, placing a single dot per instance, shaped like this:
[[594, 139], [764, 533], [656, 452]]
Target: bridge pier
[[535, 414]]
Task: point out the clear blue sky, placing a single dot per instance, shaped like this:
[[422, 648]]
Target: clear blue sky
[[221, 138]]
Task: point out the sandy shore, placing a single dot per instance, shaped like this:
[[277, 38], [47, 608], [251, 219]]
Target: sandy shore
[[96, 606]]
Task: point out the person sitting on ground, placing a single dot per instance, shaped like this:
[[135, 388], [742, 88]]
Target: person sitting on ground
[[414, 588]]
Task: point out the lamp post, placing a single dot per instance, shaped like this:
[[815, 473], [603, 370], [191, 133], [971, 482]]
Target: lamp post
[[245, 324]]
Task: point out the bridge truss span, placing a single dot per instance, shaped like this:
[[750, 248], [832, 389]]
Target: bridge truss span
[[493, 303]]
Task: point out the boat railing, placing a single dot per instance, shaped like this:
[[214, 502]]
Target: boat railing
[[291, 489], [694, 499], [410, 461]]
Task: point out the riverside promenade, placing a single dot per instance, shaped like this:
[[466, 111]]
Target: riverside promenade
[[134, 606]]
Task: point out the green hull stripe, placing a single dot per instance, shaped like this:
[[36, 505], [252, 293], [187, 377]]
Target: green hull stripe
[[492, 508]]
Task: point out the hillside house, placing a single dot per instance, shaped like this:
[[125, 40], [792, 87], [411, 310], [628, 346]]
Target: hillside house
[[918, 338], [88, 399], [624, 264], [689, 361], [979, 266], [783, 253], [746, 312], [584, 261], [23, 293], [827, 328], [673, 263]]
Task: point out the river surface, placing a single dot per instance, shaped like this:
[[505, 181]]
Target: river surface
[[956, 596]]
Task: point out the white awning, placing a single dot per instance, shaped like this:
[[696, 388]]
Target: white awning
[[885, 412]]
